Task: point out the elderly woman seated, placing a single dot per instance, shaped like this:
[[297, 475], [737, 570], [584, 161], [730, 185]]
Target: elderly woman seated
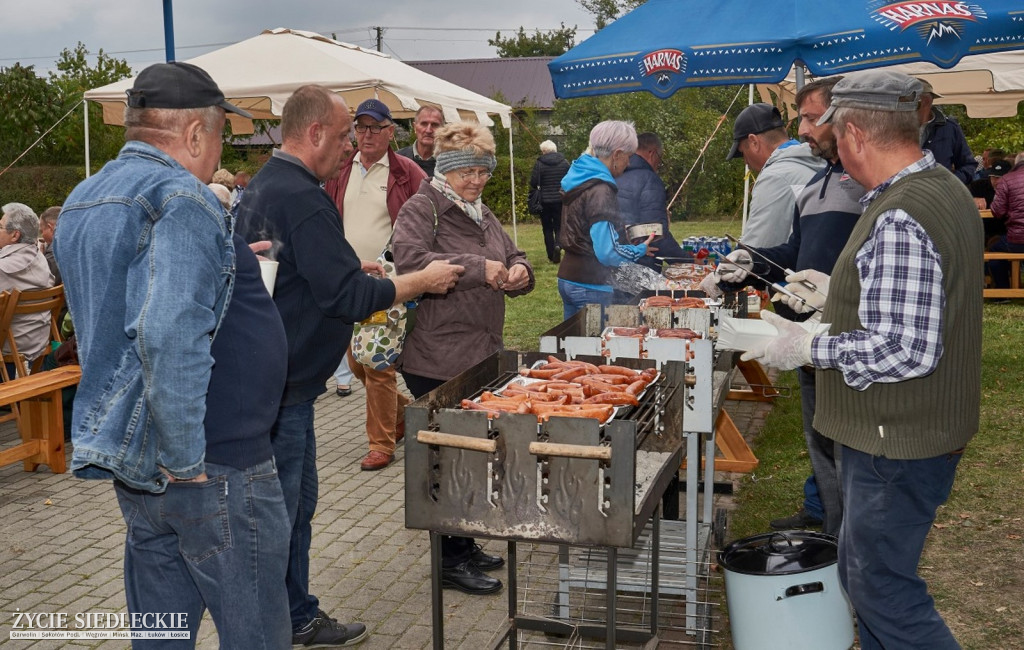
[[23, 267]]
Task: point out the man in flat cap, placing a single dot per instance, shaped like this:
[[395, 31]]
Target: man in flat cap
[[784, 167], [173, 322], [899, 372]]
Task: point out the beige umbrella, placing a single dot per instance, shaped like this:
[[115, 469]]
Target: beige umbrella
[[989, 85], [259, 74]]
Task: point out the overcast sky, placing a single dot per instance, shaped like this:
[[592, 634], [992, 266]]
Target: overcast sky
[[35, 31]]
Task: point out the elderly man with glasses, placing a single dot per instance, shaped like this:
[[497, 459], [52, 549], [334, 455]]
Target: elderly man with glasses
[[369, 190]]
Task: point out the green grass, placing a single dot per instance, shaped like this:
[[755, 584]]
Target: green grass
[[974, 560]]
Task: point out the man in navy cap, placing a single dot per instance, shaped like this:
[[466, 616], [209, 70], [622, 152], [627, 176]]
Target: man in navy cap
[[369, 191], [183, 366], [784, 167], [899, 372]]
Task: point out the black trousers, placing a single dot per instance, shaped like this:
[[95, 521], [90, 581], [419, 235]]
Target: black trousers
[[454, 550], [551, 222]]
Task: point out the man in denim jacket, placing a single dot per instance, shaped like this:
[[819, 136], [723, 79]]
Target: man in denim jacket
[[172, 320]]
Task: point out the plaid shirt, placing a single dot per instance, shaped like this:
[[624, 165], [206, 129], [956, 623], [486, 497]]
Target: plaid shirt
[[901, 301]]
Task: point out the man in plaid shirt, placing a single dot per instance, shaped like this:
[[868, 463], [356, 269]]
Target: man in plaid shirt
[[899, 372]]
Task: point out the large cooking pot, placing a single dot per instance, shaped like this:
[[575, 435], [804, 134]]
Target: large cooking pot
[[783, 592]]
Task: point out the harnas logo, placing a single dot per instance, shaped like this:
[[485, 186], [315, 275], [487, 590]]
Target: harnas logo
[[932, 20], [663, 61]]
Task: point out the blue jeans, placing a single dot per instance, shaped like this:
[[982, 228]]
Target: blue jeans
[[220, 544], [890, 507], [575, 297], [295, 450]]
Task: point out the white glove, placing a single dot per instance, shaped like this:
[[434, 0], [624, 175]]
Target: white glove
[[791, 348], [737, 268], [709, 285], [813, 298]]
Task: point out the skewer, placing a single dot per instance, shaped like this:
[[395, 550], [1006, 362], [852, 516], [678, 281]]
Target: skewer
[[774, 285], [807, 283]]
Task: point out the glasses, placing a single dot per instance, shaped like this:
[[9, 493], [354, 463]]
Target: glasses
[[474, 176], [372, 128]]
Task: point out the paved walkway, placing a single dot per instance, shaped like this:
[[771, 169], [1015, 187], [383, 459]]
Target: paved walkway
[[61, 545]]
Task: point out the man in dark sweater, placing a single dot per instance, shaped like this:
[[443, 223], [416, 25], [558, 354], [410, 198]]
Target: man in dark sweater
[[899, 373], [428, 119], [321, 289]]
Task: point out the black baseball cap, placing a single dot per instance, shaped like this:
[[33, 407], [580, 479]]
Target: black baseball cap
[[756, 118], [177, 85], [1000, 167]]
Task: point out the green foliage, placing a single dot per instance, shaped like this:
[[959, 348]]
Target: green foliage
[[1005, 133], [684, 121], [29, 109], [552, 43], [605, 11], [39, 187], [75, 76]]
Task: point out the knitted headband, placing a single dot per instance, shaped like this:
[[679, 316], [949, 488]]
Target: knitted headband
[[451, 160]]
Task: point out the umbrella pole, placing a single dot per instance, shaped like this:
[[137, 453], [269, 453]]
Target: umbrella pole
[[512, 178], [746, 172], [85, 111]]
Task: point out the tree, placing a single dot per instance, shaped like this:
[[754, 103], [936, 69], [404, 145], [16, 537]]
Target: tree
[[74, 76], [605, 11], [552, 43], [28, 111]]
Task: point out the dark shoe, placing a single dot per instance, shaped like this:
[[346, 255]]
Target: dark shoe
[[485, 562], [376, 460], [326, 631], [467, 578], [400, 431], [800, 520], [344, 391]]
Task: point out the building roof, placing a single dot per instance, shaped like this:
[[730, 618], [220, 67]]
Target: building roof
[[522, 82]]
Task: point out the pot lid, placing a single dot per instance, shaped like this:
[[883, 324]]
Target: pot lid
[[781, 553]]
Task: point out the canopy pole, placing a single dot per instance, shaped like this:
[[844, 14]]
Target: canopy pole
[[512, 179], [746, 175], [169, 30], [85, 111]]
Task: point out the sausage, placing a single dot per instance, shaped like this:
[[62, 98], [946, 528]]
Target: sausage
[[617, 399], [636, 387], [568, 375], [600, 386], [540, 373], [488, 396], [611, 379], [619, 370], [599, 413]]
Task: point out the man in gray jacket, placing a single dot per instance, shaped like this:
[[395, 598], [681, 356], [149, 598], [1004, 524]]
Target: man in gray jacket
[[785, 167]]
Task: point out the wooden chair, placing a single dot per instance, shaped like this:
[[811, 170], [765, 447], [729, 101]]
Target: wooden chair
[[8, 302], [33, 302]]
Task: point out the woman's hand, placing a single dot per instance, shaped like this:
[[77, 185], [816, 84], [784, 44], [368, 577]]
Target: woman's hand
[[651, 250], [518, 278], [495, 274]]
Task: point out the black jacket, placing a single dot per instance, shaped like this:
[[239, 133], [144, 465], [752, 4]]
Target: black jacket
[[321, 289], [547, 175]]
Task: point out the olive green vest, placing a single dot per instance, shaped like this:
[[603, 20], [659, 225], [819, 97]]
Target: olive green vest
[[938, 413]]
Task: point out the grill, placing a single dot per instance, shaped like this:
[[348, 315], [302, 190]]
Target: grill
[[568, 481]]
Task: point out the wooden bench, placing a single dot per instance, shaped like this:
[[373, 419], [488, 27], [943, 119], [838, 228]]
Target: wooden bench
[[41, 424], [1015, 290]]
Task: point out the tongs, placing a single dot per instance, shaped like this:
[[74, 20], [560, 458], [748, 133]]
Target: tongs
[[807, 283], [774, 285]]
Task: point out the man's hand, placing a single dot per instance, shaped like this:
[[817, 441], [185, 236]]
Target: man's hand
[[790, 348], [709, 285], [810, 285], [440, 276], [495, 274], [373, 268], [260, 247], [735, 267], [518, 278], [980, 203]]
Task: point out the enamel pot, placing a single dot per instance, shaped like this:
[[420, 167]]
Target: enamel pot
[[783, 592]]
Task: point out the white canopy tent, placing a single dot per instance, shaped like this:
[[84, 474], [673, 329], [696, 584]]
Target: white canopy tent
[[989, 85], [260, 74]]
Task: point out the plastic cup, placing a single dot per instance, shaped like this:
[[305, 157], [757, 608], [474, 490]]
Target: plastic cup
[[268, 269]]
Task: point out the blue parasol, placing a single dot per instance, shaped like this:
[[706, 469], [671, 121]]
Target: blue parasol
[[665, 45]]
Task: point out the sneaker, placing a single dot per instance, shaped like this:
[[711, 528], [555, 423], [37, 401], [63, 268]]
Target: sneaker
[[801, 519], [326, 631]]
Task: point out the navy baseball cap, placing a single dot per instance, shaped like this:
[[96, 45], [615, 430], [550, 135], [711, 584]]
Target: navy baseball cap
[[177, 85], [376, 109]]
